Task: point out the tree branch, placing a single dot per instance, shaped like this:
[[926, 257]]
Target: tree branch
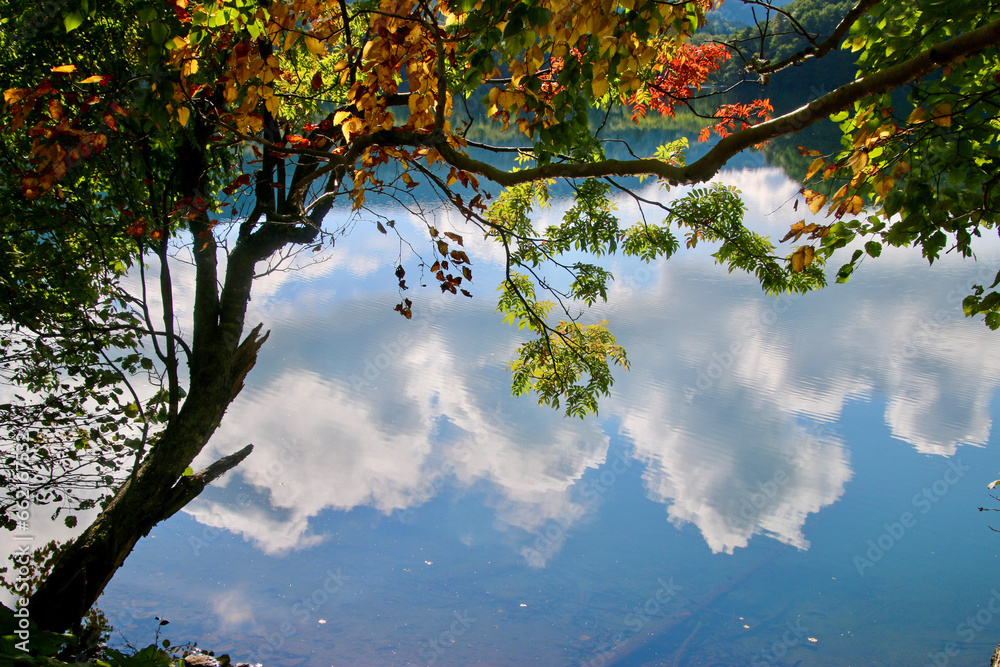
[[707, 166], [188, 488], [816, 51]]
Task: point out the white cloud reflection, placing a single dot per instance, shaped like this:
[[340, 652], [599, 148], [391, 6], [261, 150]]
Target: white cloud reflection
[[731, 405]]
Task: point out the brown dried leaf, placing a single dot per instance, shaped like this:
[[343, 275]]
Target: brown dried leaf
[[795, 230]]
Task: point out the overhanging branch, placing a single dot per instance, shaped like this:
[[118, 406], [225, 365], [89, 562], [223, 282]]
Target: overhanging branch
[[821, 49], [708, 165]]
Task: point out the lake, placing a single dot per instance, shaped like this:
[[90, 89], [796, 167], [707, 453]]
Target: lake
[[776, 481]]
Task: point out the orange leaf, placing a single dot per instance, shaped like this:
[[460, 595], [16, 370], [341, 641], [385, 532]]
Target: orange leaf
[[56, 110], [64, 69], [12, 95]]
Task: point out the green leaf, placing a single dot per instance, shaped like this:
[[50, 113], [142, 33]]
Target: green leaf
[[158, 31], [73, 20]]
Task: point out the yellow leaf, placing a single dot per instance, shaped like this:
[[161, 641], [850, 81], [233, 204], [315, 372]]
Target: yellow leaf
[[190, 67], [600, 88], [816, 203], [183, 114], [64, 69], [816, 165], [271, 104], [351, 128], [798, 260], [340, 117], [854, 205], [942, 115], [316, 47], [883, 185], [918, 115], [858, 161], [97, 78], [56, 110]]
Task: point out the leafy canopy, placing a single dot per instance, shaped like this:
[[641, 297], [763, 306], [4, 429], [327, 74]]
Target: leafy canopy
[[293, 105]]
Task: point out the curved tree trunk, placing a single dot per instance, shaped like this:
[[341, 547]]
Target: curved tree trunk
[[219, 361], [155, 493], [218, 364]]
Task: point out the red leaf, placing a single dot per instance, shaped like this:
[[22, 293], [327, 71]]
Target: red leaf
[[317, 81]]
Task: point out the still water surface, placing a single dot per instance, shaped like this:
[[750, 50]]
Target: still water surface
[[785, 481]]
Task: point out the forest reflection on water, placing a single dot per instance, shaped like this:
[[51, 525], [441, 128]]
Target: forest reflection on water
[[735, 476]]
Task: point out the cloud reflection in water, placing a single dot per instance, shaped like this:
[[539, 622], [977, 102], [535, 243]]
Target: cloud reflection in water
[[731, 405]]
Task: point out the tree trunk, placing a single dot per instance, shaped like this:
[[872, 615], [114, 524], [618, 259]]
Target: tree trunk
[[155, 493]]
